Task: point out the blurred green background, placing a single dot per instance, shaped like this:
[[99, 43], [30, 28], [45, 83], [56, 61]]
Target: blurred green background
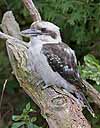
[[79, 21]]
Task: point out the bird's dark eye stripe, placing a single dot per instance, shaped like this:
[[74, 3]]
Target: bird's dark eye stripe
[[53, 35], [43, 29]]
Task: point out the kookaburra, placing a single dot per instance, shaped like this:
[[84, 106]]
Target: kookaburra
[[54, 61]]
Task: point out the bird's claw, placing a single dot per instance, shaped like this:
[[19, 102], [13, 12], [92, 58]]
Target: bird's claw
[[40, 82], [46, 86]]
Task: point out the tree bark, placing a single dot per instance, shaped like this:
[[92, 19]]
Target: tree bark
[[32, 10], [60, 109]]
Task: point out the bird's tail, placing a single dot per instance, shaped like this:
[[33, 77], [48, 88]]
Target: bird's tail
[[83, 99]]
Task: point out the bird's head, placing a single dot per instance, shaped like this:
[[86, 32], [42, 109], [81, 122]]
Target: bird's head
[[44, 31]]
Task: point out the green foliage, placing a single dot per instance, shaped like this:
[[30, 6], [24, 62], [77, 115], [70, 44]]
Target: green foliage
[[79, 17], [4, 64], [24, 119], [91, 69], [95, 122]]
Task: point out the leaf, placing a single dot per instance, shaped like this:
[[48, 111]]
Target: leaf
[[91, 59], [30, 125], [16, 118], [33, 119], [91, 69], [17, 125], [71, 22], [28, 106], [31, 110], [35, 126]]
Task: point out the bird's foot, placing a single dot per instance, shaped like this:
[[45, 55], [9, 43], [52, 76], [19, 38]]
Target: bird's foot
[[40, 82], [46, 86]]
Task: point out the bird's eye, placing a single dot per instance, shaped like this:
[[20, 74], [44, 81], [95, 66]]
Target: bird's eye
[[43, 29]]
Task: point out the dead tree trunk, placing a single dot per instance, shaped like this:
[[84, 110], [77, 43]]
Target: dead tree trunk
[[60, 109]]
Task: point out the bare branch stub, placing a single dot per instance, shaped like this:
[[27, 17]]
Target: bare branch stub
[[92, 93], [7, 22], [32, 10]]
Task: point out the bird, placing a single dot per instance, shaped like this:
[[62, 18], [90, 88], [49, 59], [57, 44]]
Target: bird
[[53, 61]]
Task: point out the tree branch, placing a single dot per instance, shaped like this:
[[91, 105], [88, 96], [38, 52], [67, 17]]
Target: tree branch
[[32, 10], [7, 22], [92, 93]]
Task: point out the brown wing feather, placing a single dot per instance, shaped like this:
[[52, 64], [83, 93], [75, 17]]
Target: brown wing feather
[[62, 60], [62, 51]]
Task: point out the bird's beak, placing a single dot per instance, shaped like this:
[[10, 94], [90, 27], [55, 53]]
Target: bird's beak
[[31, 32]]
